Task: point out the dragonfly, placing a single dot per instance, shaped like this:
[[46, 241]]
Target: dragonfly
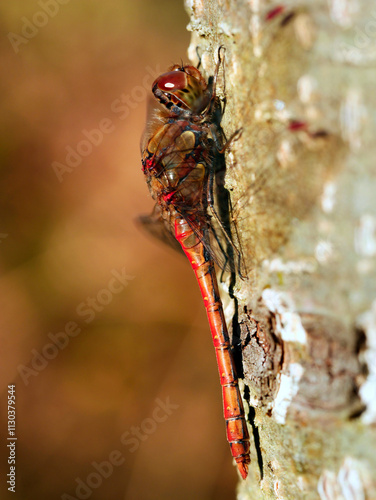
[[182, 146]]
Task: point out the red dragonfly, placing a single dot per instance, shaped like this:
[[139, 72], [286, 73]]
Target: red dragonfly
[[180, 150]]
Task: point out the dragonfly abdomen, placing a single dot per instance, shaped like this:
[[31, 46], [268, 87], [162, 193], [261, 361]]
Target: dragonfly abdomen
[[203, 266]]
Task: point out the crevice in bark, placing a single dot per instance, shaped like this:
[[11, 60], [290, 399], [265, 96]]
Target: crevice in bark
[[255, 432]]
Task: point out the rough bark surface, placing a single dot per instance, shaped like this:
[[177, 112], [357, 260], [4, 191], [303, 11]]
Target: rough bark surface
[[300, 82]]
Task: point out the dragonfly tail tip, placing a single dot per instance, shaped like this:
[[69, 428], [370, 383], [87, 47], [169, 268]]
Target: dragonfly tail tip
[[243, 469]]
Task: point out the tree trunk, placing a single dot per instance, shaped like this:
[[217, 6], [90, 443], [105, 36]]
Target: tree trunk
[[300, 82]]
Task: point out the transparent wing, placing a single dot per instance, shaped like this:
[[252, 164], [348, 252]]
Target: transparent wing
[[159, 228], [190, 195]]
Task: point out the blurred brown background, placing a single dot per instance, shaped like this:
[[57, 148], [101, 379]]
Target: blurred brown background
[[65, 233]]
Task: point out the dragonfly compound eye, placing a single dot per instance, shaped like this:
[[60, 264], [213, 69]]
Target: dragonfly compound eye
[[180, 88]]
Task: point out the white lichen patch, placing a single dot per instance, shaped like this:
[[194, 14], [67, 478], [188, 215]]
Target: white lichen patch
[[289, 386], [278, 265], [228, 29], [285, 153], [342, 12], [353, 115], [255, 31], [306, 86], [347, 484], [367, 391], [194, 7], [290, 328], [302, 483], [328, 197], [327, 486], [254, 5], [324, 251], [365, 236], [279, 105], [234, 73], [228, 305], [350, 481], [288, 323], [305, 30]]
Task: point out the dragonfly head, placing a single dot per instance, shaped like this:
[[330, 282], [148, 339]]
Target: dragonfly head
[[182, 88]]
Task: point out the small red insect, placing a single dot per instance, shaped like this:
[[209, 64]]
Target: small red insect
[[180, 150]]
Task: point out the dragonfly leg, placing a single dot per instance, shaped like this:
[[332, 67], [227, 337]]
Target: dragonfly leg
[[235, 136], [216, 71], [225, 231], [199, 58]]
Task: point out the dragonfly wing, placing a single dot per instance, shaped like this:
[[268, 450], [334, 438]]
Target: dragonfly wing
[[160, 230], [209, 238]]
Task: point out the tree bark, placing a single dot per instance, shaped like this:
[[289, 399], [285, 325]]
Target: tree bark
[[299, 81]]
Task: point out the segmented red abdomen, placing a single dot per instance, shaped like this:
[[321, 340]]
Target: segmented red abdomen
[[237, 432]]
